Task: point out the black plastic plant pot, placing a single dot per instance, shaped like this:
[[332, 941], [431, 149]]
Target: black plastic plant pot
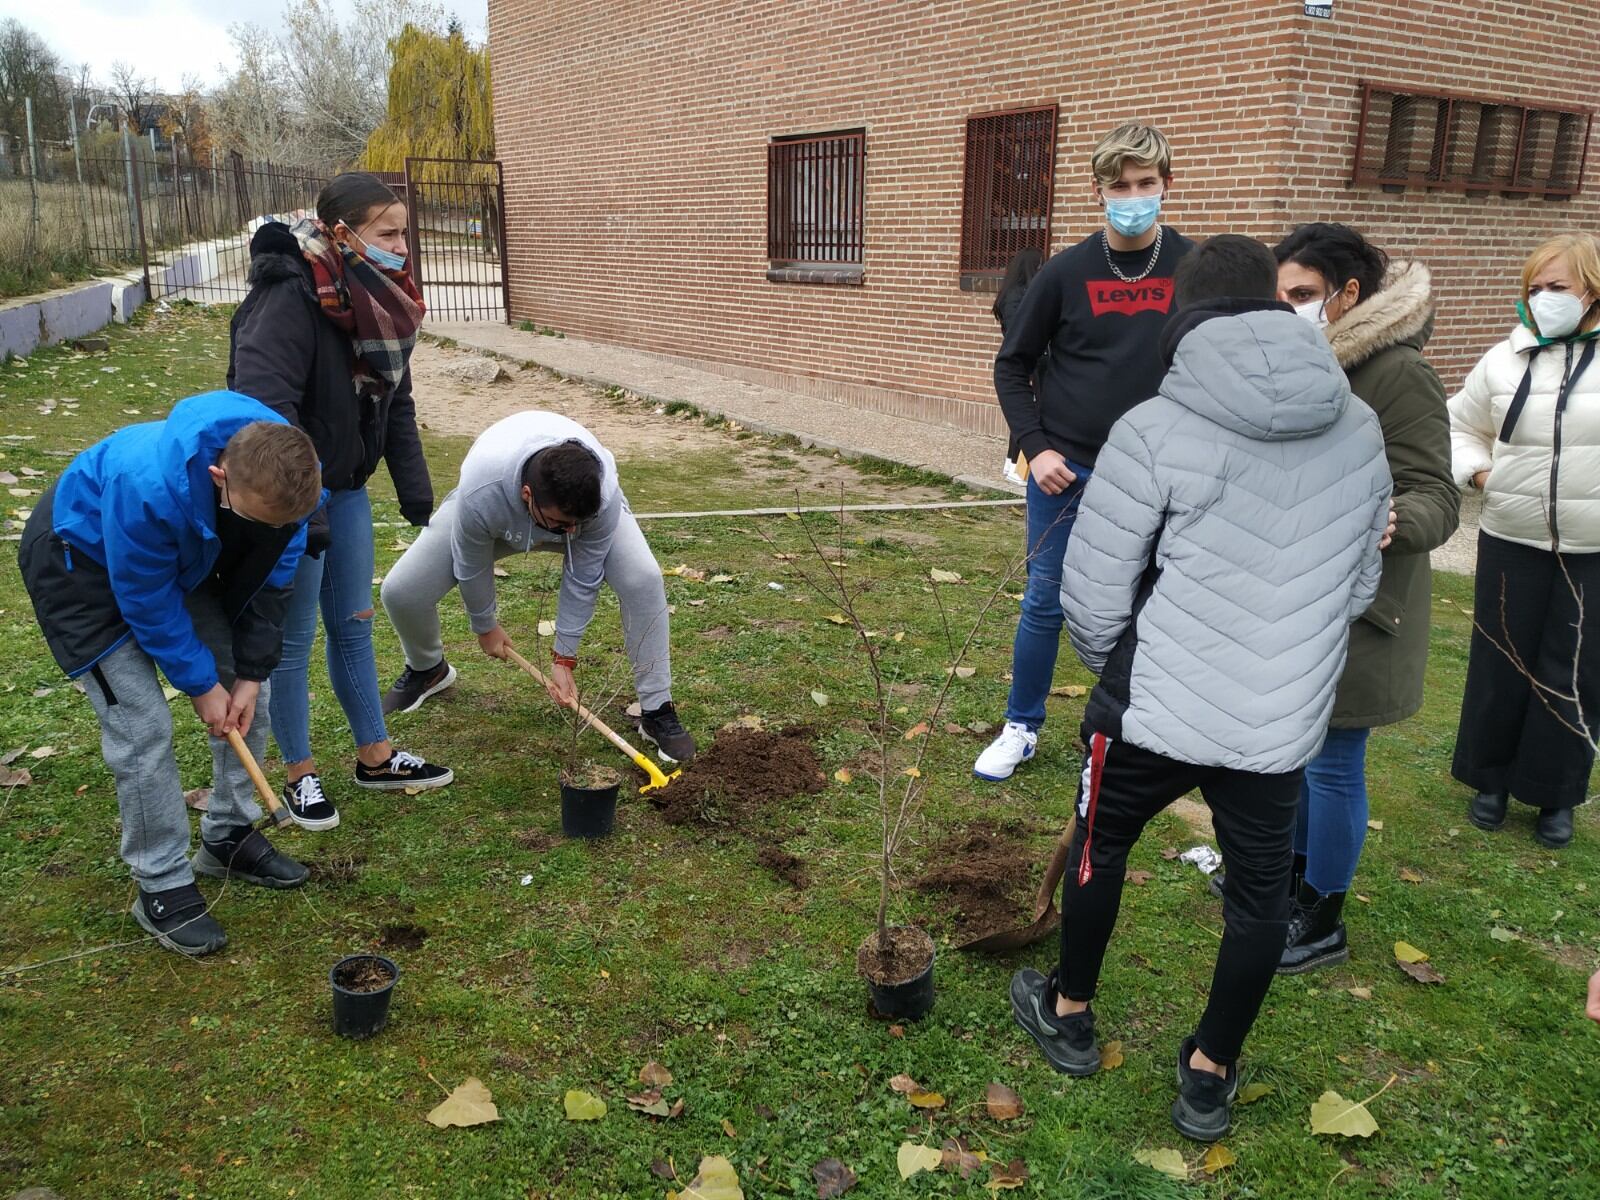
[[360, 1001], [906, 999], [588, 812]]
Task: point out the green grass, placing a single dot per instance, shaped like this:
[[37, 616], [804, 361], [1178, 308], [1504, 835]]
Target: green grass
[[133, 1073]]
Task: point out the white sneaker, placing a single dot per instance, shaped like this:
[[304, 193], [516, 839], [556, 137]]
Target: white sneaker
[[1015, 744]]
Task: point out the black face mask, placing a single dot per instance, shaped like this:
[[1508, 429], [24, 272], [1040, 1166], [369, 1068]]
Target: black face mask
[[234, 530]]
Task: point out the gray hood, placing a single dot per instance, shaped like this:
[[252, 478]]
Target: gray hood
[[1266, 376]]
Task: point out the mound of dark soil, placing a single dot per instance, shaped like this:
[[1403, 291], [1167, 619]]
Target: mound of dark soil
[[403, 937], [985, 876], [790, 868], [743, 772]]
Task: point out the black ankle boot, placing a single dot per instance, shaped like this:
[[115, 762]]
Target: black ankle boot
[[1488, 810], [1316, 934], [1553, 829]]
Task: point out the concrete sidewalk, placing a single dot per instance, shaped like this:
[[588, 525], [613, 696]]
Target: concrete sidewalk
[[967, 457]]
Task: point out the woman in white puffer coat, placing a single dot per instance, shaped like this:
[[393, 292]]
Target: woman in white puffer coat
[[1526, 431]]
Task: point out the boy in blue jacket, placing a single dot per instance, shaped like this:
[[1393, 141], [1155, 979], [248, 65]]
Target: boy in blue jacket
[[173, 545]]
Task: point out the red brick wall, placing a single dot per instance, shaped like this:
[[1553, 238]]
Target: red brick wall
[[634, 139], [1546, 52]]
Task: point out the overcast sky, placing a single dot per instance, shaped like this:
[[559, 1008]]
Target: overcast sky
[[168, 39]]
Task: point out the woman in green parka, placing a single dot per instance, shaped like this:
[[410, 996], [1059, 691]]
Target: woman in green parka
[[1377, 317]]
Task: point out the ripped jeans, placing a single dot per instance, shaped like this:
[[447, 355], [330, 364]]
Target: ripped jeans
[[339, 581]]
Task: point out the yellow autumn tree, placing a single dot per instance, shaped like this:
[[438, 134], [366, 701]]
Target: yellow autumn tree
[[439, 101]]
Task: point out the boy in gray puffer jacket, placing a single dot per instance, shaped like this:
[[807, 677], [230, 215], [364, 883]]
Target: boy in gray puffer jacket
[[1228, 538]]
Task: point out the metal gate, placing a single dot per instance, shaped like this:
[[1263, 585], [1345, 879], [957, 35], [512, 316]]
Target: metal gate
[[457, 237]]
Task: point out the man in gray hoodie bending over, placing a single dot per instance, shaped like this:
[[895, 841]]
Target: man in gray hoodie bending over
[[1228, 538], [536, 481]]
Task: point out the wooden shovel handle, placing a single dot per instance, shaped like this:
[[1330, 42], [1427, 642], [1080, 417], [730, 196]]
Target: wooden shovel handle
[[1053, 872], [263, 788], [657, 779]]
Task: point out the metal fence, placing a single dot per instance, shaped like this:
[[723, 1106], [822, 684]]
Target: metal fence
[[111, 202]]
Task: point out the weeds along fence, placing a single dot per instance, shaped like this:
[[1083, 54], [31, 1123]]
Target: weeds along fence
[[109, 201]]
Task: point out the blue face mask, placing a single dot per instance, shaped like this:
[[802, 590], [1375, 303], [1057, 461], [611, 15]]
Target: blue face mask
[[380, 257], [1133, 217]]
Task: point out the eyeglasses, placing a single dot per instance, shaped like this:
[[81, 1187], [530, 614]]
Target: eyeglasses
[[227, 503], [537, 513]]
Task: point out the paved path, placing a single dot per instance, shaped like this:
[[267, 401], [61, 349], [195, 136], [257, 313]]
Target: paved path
[[969, 458]]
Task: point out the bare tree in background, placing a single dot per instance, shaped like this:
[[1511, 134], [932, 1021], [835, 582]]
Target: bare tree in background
[[311, 91], [28, 69], [133, 93]]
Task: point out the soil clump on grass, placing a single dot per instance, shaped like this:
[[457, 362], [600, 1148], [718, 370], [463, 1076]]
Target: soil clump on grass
[[790, 868], [403, 937], [742, 774], [984, 876]]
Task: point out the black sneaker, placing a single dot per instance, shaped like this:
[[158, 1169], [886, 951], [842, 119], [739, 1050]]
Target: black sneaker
[[179, 920], [413, 687], [1068, 1042], [403, 770], [661, 727], [308, 806], [1204, 1106], [246, 855]]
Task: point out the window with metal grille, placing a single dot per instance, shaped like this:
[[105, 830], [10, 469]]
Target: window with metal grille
[[1006, 192], [1471, 144], [816, 199]]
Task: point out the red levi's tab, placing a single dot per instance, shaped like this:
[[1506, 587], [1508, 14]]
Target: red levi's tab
[[1115, 296]]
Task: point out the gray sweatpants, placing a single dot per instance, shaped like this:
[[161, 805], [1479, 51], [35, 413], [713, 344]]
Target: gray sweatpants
[[136, 740], [425, 574]]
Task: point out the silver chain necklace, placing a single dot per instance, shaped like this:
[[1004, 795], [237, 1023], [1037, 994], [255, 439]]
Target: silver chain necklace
[[1155, 254]]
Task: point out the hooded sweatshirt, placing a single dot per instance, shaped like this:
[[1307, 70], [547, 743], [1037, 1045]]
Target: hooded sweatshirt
[[489, 511], [1226, 541]]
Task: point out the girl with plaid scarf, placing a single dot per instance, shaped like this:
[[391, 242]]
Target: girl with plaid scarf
[[325, 339]]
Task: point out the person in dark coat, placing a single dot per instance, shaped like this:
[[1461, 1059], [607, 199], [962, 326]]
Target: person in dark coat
[[324, 338], [1377, 317], [1024, 265]]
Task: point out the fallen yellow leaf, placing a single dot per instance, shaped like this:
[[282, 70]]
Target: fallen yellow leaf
[[926, 1100], [1333, 1114], [912, 1159], [715, 1180], [1218, 1158], [581, 1106], [469, 1104], [1111, 1056], [1406, 952], [1169, 1162], [843, 775]]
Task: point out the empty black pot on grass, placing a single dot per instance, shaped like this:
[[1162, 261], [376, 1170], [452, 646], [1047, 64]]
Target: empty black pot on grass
[[589, 801], [362, 987], [901, 981]]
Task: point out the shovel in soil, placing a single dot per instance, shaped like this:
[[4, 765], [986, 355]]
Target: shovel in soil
[[657, 779], [1046, 917], [276, 813]]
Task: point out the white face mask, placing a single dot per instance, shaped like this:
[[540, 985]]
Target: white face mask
[[1315, 311], [1556, 313]]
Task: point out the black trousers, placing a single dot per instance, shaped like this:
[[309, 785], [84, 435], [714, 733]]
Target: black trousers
[[1122, 788], [1514, 736]]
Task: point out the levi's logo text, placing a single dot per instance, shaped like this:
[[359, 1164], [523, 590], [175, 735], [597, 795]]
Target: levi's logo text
[[1115, 296]]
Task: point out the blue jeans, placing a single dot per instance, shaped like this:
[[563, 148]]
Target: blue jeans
[[1033, 654], [340, 582], [1332, 826]]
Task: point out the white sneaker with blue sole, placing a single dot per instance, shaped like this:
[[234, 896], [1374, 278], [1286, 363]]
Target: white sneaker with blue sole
[[1014, 745]]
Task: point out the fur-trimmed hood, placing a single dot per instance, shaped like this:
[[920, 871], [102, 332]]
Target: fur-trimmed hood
[[275, 256], [1400, 311]]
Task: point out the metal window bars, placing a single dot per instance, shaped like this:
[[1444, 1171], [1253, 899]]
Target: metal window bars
[[1475, 144], [816, 200], [1007, 190]]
